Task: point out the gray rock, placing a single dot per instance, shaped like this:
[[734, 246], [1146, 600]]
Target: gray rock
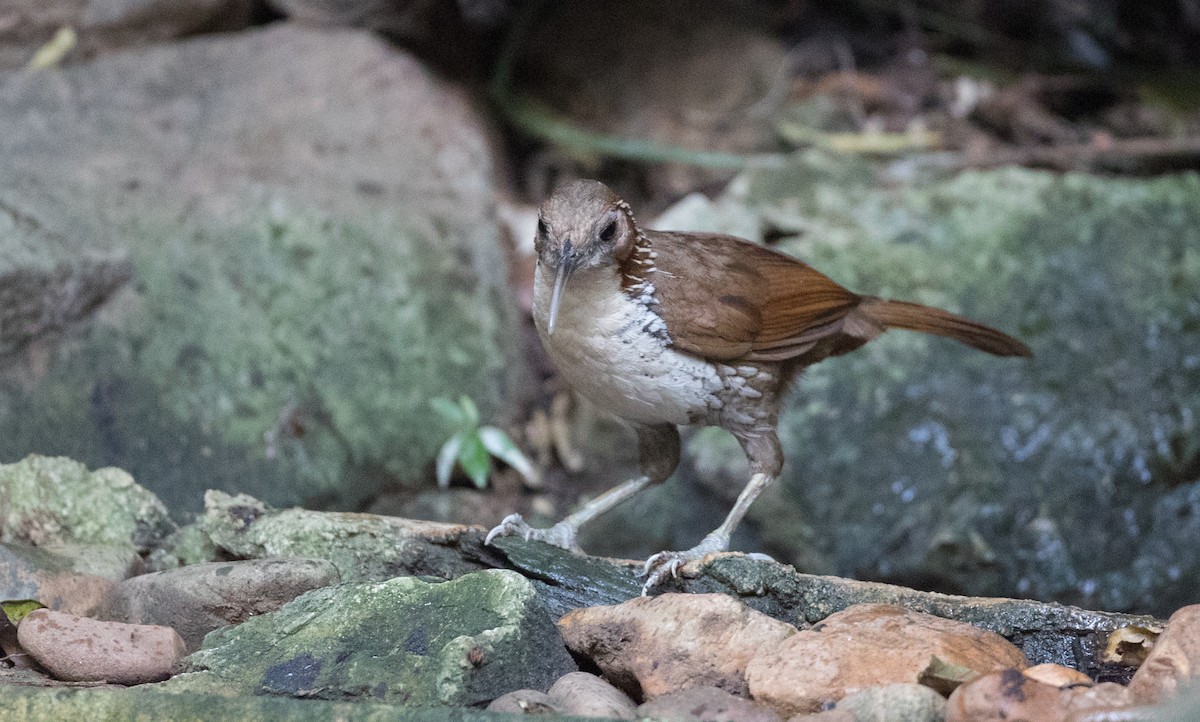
[[361, 546], [705, 704], [46, 287], [307, 218], [399, 641], [53, 502], [1066, 477], [895, 703], [197, 599]]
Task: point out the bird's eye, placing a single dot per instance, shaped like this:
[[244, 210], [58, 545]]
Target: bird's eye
[[606, 233], [541, 228]]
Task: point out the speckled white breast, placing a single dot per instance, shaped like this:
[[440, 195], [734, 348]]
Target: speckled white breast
[[602, 348]]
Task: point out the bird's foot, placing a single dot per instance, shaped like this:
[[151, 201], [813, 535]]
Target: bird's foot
[[667, 564], [561, 535]]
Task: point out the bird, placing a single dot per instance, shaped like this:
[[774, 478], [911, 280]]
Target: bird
[[666, 329]]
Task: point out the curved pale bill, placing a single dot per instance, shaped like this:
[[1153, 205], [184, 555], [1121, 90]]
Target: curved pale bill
[[566, 265]]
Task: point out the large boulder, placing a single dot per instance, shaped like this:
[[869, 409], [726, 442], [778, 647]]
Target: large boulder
[[1070, 476], [258, 256]]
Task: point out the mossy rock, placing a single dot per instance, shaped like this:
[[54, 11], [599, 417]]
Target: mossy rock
[[262, 297], [401, 641], [1071, 476], [59, 503]]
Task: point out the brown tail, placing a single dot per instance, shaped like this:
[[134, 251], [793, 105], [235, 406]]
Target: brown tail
[[915, 317]]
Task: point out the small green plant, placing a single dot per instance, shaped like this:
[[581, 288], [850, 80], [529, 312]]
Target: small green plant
[[472, 446]]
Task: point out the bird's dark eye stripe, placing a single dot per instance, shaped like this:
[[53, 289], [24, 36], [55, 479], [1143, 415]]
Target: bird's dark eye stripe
[[541, 227], [607, 232]]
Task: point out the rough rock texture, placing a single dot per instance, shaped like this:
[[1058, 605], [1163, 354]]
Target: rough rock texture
[[452, 643], [1005, 695], [650, 646], [1174, 662], [586, 695], [197, 599], [1105, 696], [907, 702], [361, 546], [47, 287], [70, 579], [80, 649], [305, 213], [1066, 477], [705, 704], [868, 645], [30, 704], [56, 501], [1010, 695], [1044, 632]]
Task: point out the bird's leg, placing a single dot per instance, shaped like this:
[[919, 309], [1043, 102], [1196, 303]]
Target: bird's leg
[[564, 533], [766, 459], [658, 455]]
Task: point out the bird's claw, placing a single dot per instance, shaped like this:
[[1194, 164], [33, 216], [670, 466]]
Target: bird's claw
[[662, 565], [667, 564], [560, 535]]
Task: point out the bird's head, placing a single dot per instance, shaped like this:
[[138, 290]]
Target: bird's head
[[583, 226]]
